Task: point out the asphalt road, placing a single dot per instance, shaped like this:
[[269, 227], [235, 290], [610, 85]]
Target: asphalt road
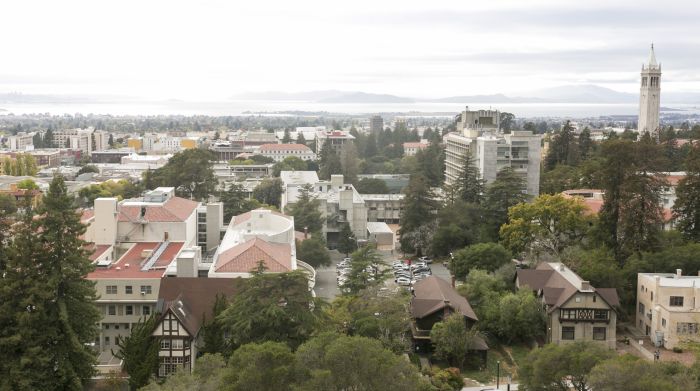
[[502, 388]]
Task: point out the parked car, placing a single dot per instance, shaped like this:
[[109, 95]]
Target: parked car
[[426, 260], [404, 281]]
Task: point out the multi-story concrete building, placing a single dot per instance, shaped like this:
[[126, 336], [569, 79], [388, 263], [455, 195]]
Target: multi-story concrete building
[[650, 97], [376, 124], [575, 310], [491, 152], [165, 143], [86, 140], [279, 152], [21, 142], [334, 138], [668, 308], [227, 150], [135, 243], [384, 208], [111, 155], [412, 148], [340, 203], [472, 123]]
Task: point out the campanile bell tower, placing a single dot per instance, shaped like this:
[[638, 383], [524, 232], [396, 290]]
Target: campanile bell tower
[[650, 97]]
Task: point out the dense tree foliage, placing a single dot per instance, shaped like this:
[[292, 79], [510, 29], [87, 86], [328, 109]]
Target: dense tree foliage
[[122, 189], [417, 209], [212, 332], [306, 210], [547, 225], [46, 301], [21, 165], [367, 270], [687, 206], [560, 367], [631, 373], [271, 307], [460, 224], [371, 186], [313, 251], [453, 340], [290, 163], [347, 242], [260, 366], [236, 202], [504, 192], [139, 352], [189, 172], [485, 256], [269, 192]]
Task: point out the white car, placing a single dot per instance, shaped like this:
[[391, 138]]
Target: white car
[[404, 281]]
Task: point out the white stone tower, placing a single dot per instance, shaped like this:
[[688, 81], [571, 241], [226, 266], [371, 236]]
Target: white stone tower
[[650, 97]]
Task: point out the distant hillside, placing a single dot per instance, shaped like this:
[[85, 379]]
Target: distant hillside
[[362, 97]]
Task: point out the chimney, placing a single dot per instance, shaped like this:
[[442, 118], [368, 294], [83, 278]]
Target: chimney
[[678, 273], [562, 267]]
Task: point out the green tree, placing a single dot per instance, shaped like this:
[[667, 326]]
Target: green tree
[[260, 366], [687, 206], [87, 169], [213, 330], [306, 210], [372, 186], [631, 215], [300, 138], [507, 122], [469, 186], [367, 270], [27, 184], [485, 256], [269, 191], [459, 225], [46, 301], [290, 163], [348, 162], [329, 162], [347, 242], [481, 289], [139, 352], [287, 137], [236, 202], [504, 192], [337, 363], [563, 148], [585, 144], [517, 317], [313, 251], [110, 141], [631, 373], [189, 172], [561, 367], [453, 340], [272, 307], [547, 225], [207, 376], [417, 209]]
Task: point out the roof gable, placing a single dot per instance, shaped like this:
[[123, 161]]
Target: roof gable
[[433, 294], [244, 257]]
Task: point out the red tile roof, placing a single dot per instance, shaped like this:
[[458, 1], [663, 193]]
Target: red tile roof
[[244, 257], [175, 209], [284, 147], [97, 250], [134, 258], [86, 215]]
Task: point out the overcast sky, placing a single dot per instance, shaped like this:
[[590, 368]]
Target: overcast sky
[[215, 49]]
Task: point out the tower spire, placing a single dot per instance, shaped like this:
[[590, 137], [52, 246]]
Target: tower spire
[[652, 58]]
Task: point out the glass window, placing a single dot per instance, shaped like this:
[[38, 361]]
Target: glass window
[[111, 289], [568, 333], [146, 289], [177, 344], [129, 309], [106, 340], [599, 333], [641, 308], [165, 344], [128, 289], [600, 314], [111, 309], [568, 314], [663, 322], [676, 301], [146, 310]]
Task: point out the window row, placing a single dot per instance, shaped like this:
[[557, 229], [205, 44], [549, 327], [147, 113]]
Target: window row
[[112, 289], [167, 344], [569, 333], [128, 309], [170, 365]]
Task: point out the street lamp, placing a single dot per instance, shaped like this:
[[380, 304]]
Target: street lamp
[[498, 374]]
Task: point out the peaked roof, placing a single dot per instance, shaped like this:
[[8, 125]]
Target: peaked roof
[[244, 257], [175, 209], [652, 58], [558, 286], [195, 297], [433, 294]]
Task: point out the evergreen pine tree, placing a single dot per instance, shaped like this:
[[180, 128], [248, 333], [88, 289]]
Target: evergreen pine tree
[[417, 209], [687, 205], [305, 210], [213, 330], [287, 137], [55, 314], [469, 185], [300, 138], [347, 242], [504, 192], [139, 352]]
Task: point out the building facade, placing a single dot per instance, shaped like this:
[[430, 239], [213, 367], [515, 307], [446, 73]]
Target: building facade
[[650, 97], [376, 124], [575, 310], [21, 142], [279, 152], [668, 308], [334, 138]]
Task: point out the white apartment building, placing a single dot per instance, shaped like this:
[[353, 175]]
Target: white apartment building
[[492, 151], [334, 138], [279, 152], [86, 140], [668, 308], [339, 202], [21, 142]]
